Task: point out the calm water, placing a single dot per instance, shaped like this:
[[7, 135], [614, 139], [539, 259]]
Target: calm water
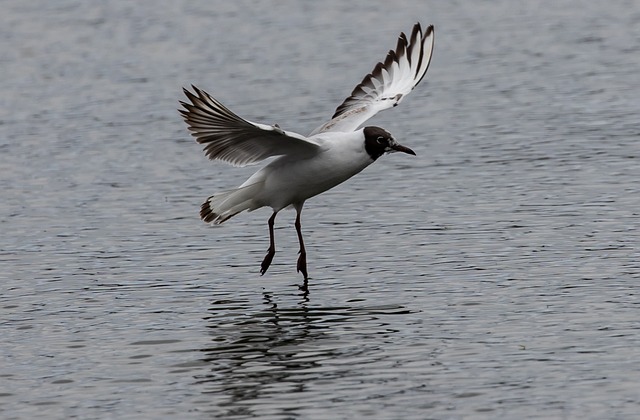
[[493, 276]]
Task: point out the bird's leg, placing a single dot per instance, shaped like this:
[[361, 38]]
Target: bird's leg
[[302, 259], [266, 262]]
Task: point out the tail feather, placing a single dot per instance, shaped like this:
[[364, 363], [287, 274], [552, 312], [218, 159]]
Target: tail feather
[[227, 204]]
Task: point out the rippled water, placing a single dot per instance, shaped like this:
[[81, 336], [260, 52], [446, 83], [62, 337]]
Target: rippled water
[[493, 276]]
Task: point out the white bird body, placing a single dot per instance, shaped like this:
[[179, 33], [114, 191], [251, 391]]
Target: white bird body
[[290, 180], [305, 166]]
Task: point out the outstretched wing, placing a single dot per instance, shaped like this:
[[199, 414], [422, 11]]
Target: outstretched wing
[[234, 140], [387, 84]]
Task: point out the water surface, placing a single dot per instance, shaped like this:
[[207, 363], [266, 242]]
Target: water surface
[[492, 276]]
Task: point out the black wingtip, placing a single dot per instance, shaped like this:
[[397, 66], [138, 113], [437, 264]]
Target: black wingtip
[[417, 28], [197, 93]]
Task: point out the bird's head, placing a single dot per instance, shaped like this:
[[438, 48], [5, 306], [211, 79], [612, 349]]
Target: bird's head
[[378, 141]]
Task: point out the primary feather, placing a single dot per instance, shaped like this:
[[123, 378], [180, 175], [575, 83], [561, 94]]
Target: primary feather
[[232, 139], [387, 84]]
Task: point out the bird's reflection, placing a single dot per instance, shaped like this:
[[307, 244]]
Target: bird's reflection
[[256, 353], [279, 348], [304, 289]]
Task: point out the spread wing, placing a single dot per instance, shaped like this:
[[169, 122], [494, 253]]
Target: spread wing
[[387, 84], [234, 140]]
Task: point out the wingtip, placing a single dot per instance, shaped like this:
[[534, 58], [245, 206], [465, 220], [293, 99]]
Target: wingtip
[[411, 48], [189, 93], [417, 28], [429, 33], [197, 93]]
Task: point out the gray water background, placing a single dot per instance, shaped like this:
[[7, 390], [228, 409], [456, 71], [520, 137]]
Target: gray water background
[[495, 275]]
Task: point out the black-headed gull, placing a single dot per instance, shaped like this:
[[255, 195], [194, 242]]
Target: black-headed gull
[[307, 165]]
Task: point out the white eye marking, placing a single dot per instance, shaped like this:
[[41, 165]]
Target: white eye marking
[[380, 140]]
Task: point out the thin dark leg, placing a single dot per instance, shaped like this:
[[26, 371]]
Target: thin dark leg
[[272, 246], [302, 259]]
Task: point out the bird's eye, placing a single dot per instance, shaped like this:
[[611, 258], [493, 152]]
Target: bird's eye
[[380, 140]]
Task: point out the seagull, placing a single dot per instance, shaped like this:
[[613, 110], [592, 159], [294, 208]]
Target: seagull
[[305, 166]]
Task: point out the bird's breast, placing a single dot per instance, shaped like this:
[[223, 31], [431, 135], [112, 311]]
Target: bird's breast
[[291, 181]]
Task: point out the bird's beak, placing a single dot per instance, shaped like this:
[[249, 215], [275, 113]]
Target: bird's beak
[[396, 147]]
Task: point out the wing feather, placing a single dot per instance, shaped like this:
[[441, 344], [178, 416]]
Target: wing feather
[[388, 83], [232, 139]]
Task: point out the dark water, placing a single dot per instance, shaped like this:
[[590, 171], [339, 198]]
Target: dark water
[[493, 276]]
